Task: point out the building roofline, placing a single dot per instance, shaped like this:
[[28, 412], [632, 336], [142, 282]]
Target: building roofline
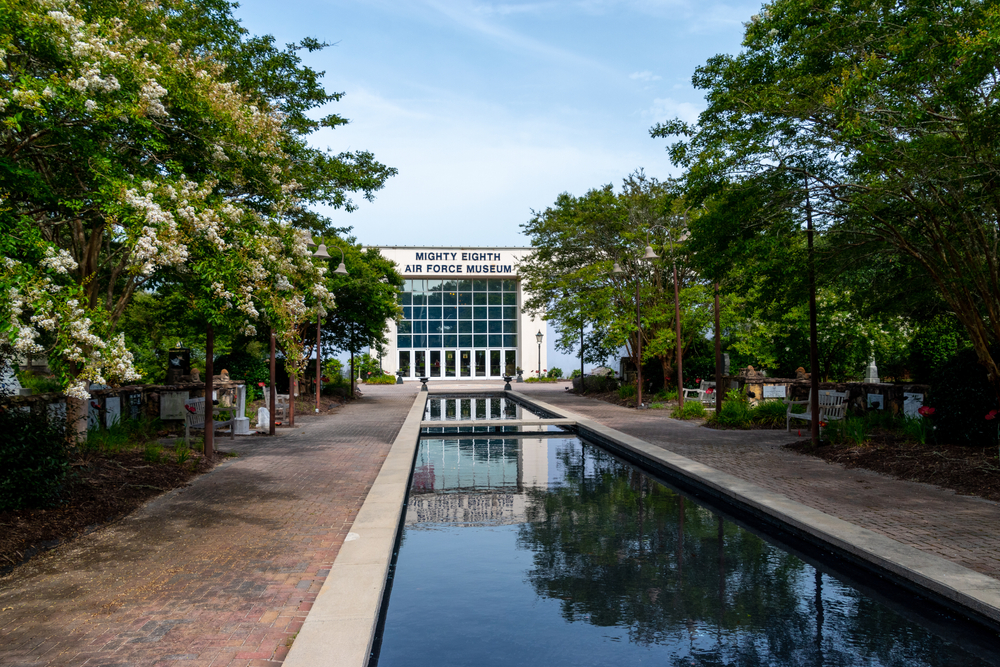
[[452, 247]]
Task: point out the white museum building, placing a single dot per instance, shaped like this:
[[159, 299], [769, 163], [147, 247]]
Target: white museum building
[[462, 316]]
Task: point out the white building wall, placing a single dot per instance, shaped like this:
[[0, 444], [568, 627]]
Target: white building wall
[[458, 262]]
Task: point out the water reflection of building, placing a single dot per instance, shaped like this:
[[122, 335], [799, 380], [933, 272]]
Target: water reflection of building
[[474, 409], [476, 481]]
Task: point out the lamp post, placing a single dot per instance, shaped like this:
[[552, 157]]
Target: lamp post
[[341, 270], [538, 337]]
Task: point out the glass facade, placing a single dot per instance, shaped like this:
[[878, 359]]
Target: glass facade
[[457, 322]]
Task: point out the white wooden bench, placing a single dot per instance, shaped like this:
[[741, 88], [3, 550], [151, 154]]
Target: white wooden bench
[[832, 406], [280, 412], [702, 393], [194, 417]]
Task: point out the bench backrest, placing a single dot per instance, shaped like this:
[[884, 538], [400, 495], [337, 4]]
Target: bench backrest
[[835, 403], [198, 416]]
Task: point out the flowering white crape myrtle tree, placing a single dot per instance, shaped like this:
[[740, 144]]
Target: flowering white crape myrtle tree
[[131, 160]]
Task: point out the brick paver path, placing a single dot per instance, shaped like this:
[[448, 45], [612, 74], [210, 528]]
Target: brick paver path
[[962, 529], [222, 572]]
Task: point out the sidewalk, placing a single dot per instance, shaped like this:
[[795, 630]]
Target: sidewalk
[[222, 572], [961, 529]]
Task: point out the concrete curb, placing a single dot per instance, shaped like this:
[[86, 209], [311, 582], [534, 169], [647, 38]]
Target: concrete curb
[[973, 593], [340, 627]]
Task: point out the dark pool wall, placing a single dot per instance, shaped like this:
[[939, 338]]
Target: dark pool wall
[[553, 552]]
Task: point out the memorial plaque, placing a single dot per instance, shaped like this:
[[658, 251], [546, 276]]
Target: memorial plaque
[[93, 414], [876, 401], [9, 384], [172, 404], [112, 411], [774, 391], [912, 402]]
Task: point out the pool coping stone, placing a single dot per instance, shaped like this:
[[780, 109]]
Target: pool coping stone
[[341, 624], [959, 585]]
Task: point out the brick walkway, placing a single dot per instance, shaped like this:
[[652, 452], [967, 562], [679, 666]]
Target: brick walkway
[[959, 528], [222, 572]]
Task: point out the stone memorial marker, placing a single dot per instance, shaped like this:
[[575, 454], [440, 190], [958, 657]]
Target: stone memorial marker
[[871, 373], [263, 419], [912, 402], [172, 404], [93, 408], [241, 424], [112, 410], [774, 391], [876, 401], [9, 384]]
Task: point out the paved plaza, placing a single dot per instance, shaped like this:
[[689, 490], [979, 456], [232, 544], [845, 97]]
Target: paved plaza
[[223, 572]]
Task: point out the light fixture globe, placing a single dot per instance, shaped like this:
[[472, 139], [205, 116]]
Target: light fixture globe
[[341, 270], [617, 268], [538, 337], [321, 253], [650, 254]]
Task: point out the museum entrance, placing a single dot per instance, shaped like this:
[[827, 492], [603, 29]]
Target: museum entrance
[[471, 364]]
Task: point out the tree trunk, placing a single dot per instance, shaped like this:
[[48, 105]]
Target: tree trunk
[[352, 374], [274, 395], [209, 405], [293, 386]]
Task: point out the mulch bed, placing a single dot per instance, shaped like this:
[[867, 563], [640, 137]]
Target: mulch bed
[[101, 489], [967, 471]]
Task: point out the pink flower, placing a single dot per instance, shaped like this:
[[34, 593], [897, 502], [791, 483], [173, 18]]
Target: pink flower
[[992, 414], [260, 384], [190, 408], [926, 411]]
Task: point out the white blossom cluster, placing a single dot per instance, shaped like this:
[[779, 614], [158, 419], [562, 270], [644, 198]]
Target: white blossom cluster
[[58, 260]]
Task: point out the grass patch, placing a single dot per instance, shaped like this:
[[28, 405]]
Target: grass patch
[[691, 410]]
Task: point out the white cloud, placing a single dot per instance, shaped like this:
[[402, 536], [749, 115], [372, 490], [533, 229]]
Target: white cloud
[[645, 75], [665, 108]]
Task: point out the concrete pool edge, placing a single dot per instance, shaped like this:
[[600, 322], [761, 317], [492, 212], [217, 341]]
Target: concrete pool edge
[[341, 624], [974, 594]]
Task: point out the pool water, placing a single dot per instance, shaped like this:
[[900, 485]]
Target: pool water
[[550, 551]]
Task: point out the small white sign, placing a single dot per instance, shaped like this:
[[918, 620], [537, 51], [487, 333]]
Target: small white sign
[[876, 401], [9, 383], [774, 391], [172, 404], [912, 402], [112, 410]]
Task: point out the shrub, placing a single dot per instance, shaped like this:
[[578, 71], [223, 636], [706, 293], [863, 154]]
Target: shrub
[[599, 383], [39, 384], [691, 410], [626, 391], [769, 414], [962, 396], [34, 459], [735, 411], [575, 374], [247, 367], [554, 373], [123, 434], [381, 379]]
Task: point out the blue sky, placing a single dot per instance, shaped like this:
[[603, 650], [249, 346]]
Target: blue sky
[[490, 110]]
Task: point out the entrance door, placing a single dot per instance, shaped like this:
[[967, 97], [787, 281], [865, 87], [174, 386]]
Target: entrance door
[[465, 363], [420, 363], [510, 362], [480, 363], [404, 362], [449, 363], [495, 363], [435, 363]]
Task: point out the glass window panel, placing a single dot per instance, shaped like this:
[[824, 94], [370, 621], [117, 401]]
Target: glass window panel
[[496, 298], [449, 326], [405, 298], [479, 312], [509, 299], [496, 340], [449, 286], [407, 312], [434, 340], [465, 340], [404, 363], [465, 312], [404, 327], [434, 312], [481, 365], [419, 299], [510, 312], [450, 340], [419, 312], [449, 298], [480, 299], [419, 364], [433, 285], [420, 341], [495, 285], [465, 298], [464, 285], [449, 362], [479, 340], [449, 312], [495, 363], [479, 285], [509, 363], [402, 341], [434, 327], [510, 286], [434, 299], [479, 326], [496, 312], [408, 285], [435, 363], [496, 326], [420, 326], [510, 340], [465, 326], [510, 326], [465, 366]]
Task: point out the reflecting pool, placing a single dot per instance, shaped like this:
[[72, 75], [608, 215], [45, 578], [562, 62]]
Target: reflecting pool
[[550, 551]]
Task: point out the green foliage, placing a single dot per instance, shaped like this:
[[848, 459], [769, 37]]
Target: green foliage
[[555, 373], [769, 414], [961, 396], [384, 378], [851, 430], [182, 453], [248, 365], [575, 374], [123, 435], [367, 366], [735, 411], [34, 459], [657, 406], [152, 452], [934, 343], [691, 410], [38, 384], [601, 384], [626, 391], [917, 429]]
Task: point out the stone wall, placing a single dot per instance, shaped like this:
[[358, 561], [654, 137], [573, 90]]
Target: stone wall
[[861, 396]]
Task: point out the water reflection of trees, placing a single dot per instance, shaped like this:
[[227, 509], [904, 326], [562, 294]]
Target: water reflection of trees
[[617, 549]]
